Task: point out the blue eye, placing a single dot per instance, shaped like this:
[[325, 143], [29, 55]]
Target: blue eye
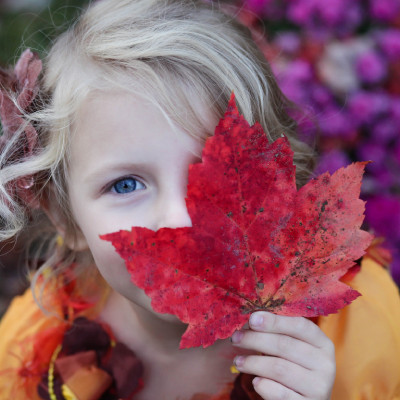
[[127, 185]]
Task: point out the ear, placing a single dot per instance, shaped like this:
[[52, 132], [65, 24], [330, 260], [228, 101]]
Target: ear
[[72, 236]]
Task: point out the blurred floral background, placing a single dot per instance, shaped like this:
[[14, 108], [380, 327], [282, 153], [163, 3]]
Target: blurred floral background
[[339, 60]]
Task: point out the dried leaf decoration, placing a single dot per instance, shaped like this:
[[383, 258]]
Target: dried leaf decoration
[[256, 243]]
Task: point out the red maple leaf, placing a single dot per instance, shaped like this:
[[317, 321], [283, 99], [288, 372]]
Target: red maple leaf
[[256, 243]]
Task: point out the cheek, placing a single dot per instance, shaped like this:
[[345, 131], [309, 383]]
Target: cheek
[[112, 267], [110, 264]]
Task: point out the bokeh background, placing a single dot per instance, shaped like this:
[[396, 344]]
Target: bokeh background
[[339, 60]]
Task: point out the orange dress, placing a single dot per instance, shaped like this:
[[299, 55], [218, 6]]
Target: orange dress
[[366, 335]]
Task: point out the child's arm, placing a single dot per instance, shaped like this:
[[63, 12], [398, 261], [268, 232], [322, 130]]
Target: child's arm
[[298, 360]]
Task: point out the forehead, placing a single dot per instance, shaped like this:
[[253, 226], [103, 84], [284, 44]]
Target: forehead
[[183, 108], [109, 124]]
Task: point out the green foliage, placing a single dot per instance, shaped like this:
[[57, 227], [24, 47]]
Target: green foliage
[[35, 29]]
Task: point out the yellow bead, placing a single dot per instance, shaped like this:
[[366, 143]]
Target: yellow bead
[[67, 393], [234, 370]]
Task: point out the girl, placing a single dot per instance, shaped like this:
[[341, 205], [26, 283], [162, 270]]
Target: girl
[[127, 98]]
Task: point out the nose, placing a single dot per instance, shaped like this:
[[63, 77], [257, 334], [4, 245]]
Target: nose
[[172, 212]]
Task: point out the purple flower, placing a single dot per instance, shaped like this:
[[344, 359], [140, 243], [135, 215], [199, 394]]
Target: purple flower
[[257, 6], [385, 130], [335, 122], [295, 81], [300, 12], [332, 161], [371, 151], [396, 153], [384, 179], [288, 42], [324, 18], [371, 67], [395, 109], [383, 215], [365, 107], [389, 42], [395, 267], [384, 10], [300, 70], [273, 9], [321, 96]]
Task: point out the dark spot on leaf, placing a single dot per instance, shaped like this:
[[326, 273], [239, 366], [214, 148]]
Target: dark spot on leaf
[[261, 210], [153, 244], [260, 285], [324, 205], [229, 214], [274, 303]]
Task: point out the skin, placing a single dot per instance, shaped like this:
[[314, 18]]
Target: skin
[[121, 141]]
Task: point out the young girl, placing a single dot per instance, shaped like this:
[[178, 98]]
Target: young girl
[[128, 96]]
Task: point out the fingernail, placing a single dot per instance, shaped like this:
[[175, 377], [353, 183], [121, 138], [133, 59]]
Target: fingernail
[[239, 361], [256, 380], [256, 320], [237, 337]]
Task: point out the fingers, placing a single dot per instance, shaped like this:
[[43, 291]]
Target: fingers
[[278, 345], [287, 374], [272, 390], [297, 359], [296, 327]]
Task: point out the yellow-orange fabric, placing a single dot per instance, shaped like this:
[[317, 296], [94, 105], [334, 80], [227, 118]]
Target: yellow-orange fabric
[[366, 335]]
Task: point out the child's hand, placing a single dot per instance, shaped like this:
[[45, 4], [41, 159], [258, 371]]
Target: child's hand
[[298, 360]]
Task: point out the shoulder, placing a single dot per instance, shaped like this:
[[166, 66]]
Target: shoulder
[[366, 335]]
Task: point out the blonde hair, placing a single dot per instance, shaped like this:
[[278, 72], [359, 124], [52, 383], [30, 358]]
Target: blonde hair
[[170, 51]]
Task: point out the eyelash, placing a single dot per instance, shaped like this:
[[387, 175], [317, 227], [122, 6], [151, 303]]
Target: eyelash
[[111, 187]]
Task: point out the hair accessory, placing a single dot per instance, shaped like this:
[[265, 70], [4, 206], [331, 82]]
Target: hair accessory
[[18, 89]]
